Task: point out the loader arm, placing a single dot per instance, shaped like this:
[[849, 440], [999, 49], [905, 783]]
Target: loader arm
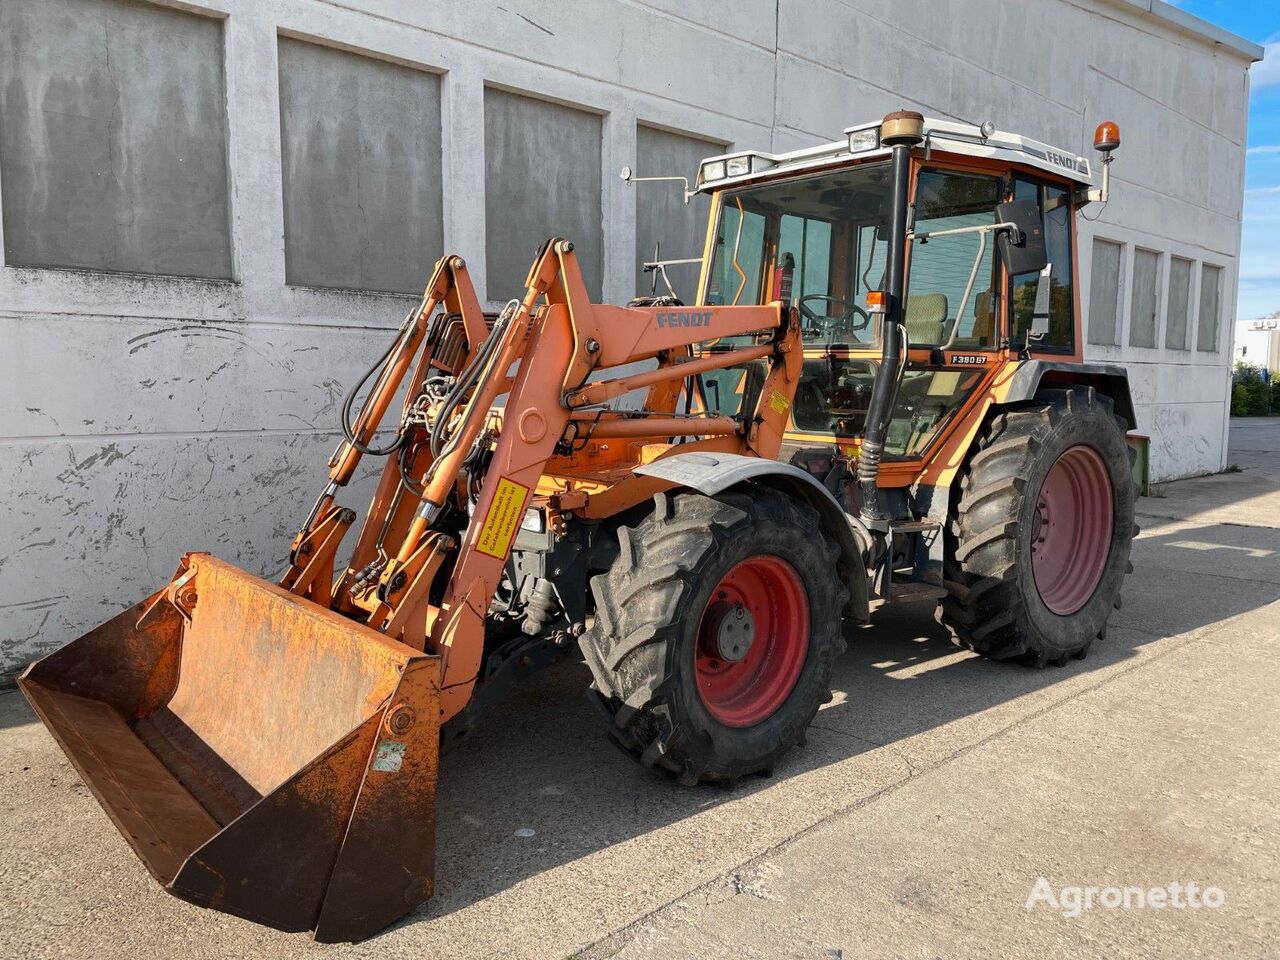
[[423, 575]]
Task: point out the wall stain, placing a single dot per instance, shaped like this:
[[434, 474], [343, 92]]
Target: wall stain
[[217, 370], [105, 456], [144, 340]]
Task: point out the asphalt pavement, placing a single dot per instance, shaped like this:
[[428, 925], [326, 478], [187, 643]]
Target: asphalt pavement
[[942, 807]]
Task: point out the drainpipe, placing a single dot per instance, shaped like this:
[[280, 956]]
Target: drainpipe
[[901, 131]]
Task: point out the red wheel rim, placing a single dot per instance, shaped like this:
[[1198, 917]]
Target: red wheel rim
[[752, 641], [1071, 531]]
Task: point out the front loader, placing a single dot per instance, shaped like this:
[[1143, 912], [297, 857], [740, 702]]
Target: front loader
[[702, 501]]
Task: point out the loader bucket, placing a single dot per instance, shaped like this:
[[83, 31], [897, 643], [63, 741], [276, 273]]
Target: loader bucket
[[265, 757]]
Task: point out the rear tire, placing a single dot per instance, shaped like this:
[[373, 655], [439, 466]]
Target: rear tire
[[684, 578], [1041, 530]]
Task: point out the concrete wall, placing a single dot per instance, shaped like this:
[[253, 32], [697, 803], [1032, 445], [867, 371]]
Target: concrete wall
[[114, 151], [361, 157], [663, 219], [144, 415]]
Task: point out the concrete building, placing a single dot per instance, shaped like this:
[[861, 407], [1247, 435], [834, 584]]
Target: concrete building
[[1257, 343], [213, 211]]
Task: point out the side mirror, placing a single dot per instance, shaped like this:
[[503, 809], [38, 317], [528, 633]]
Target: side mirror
[[627, 175], [1021, 249]]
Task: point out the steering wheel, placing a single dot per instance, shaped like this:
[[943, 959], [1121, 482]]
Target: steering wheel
[[827, 323]]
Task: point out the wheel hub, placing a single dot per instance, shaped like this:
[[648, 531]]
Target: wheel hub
[[735, 632], [753, 639]]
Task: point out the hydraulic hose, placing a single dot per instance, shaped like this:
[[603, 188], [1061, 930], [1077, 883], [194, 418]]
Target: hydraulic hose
[[348, 430], [468, 379]]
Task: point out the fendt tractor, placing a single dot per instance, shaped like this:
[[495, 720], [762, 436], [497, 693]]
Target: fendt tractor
[[876, 398]]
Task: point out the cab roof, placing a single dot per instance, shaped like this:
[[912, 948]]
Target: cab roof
[[862, 143]]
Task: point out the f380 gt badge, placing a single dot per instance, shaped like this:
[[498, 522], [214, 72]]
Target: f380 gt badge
[[967, 359]]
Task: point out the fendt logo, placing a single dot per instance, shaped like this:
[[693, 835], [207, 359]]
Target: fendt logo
[[694, 318], [1062, 160]]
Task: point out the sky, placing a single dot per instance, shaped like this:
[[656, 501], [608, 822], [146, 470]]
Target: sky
[[1259, 21]]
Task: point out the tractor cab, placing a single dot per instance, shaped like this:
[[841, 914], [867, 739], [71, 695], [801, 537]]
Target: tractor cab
[[989, 260]]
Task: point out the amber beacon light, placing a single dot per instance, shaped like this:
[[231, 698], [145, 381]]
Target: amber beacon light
[[1106, 139]]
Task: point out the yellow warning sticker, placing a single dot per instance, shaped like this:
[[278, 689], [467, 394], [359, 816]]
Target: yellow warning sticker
[[779, 401], [503, 519]]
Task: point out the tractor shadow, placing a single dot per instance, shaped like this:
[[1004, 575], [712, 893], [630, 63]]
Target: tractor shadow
[[543, 762]]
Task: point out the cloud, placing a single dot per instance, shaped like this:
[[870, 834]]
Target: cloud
[[1264, 150], [1266, 73]]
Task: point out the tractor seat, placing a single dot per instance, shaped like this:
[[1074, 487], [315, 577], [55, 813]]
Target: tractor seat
[[926, 317], [984, 323]]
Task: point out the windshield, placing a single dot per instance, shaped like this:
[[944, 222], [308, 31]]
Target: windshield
[[831, 230]]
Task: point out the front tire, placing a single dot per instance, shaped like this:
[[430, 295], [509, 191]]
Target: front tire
[[1040, 534], [715, 633]]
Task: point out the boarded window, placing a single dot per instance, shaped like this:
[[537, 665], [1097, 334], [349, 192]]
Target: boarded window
[[113, 150], [542, 179], [1104, 291], [360, 150], [1175, 334], [1144, 303], [1210, 308], [663, 220]]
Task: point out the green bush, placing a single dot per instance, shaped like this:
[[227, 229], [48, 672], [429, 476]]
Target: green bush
[[1251, 396], [1239, 400]]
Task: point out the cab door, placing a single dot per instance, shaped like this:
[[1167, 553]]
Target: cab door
[[952, 310]]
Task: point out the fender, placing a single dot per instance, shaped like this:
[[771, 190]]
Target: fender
[[1108, 379], [713, 473]]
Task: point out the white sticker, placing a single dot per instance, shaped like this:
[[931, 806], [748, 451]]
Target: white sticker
[[389, 756]]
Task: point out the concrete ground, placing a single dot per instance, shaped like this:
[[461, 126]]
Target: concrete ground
[[934, 792]]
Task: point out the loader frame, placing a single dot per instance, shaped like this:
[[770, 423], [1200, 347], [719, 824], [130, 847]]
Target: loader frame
[[553, 424]]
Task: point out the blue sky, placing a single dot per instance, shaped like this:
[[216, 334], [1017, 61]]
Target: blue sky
[[1258, 20]]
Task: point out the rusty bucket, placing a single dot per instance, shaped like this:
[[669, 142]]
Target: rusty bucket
[[263, 755]]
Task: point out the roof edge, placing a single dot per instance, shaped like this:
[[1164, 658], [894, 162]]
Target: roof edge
[[1199, 28]]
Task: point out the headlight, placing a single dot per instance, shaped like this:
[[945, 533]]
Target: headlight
[[535, 521], [860, 140], [712, 170], [738, 166]]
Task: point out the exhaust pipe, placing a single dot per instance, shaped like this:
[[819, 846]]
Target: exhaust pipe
[[901, 131]]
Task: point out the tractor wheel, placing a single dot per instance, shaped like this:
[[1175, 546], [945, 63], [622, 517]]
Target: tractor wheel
[[715, 632], [1040, 532]]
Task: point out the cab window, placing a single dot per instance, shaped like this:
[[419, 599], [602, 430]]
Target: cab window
[[1055, 210], [738, 264], [951, 292], [828, 229]]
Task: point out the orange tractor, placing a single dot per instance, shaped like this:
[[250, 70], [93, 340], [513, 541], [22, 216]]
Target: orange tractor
[[877, 398]]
